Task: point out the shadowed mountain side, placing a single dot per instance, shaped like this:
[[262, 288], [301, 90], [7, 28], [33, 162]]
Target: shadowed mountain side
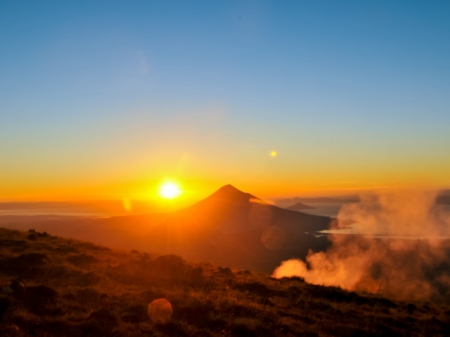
[[229, 227], [231, 210]]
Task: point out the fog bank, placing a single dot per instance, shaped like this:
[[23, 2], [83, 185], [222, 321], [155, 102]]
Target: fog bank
[[401, 252]]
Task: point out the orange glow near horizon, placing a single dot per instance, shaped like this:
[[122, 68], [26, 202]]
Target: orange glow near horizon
[[270, 178], [197, 189], [134, 112]]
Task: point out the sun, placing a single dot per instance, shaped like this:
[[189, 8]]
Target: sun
[[169, 190]]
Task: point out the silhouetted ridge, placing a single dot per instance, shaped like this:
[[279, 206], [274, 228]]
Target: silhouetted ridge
[[230, 227], [231, 193]]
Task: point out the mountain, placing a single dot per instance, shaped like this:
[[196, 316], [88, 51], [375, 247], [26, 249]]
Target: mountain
[[229, 209], [319, 200], [86, 208], [298, 206], [229, 227]]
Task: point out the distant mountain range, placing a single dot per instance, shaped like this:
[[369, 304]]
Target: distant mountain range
[[443, 198], [229, 227], [320, 200], [298, 206], [83, 208]]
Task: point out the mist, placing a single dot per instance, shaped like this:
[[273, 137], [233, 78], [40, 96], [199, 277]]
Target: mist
[[401, 249]]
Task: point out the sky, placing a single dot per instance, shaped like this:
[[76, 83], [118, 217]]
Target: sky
[[106, 100]]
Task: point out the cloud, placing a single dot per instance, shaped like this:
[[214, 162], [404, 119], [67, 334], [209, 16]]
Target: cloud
[[401, 250]]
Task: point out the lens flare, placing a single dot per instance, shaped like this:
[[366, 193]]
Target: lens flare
[[160, 310], [126, 203], [273, 237]]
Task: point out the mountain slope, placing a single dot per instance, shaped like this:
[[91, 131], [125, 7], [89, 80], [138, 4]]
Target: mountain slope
[[51, 286], [228, 227], [237, 229]]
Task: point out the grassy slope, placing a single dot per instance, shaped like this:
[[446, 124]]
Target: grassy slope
[[94, 291]]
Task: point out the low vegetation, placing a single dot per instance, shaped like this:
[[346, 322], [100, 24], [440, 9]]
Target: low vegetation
[[58, 287]]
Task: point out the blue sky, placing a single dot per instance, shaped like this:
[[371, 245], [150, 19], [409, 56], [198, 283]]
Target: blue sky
[[351, 91]]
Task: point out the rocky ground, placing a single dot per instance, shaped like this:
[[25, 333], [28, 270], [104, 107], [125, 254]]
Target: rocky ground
[[52, 286]]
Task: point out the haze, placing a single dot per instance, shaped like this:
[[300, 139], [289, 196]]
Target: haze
[[104, 101], [224, 168]]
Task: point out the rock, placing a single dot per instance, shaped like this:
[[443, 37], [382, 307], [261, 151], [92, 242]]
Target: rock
[[225, 271], [32, 237], [169, 268], [43, 235]]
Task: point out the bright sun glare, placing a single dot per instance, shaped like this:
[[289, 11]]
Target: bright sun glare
[[169, 190]]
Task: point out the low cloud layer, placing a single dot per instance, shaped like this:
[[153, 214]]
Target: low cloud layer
[[401, 252]]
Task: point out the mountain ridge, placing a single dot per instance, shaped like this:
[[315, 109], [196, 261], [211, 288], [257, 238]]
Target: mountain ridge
[[298, 206], [228, 227]]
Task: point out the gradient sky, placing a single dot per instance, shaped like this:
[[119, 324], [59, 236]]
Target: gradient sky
[[107, 99]]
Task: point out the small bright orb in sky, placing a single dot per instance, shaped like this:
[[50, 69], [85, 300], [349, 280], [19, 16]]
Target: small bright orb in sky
[[273, 153], [169, 190]]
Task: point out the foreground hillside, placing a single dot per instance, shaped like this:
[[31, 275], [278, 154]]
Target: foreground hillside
[[58, 287]]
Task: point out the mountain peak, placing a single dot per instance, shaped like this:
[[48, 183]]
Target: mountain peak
[[230, 192], [228, 188]]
